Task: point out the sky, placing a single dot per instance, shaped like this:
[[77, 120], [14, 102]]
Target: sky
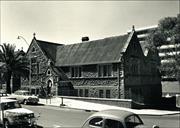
[[67, 22]]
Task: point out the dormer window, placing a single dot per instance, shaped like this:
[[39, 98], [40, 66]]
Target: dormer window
[[48, 72]]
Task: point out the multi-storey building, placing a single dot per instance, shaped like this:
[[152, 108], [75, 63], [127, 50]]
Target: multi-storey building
[[113, 67]]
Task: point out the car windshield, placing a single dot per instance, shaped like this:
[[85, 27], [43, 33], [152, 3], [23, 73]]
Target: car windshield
[[11, 105], [25, 93], [22, 93]]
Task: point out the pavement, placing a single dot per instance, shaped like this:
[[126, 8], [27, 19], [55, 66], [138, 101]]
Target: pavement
[[88, 106]]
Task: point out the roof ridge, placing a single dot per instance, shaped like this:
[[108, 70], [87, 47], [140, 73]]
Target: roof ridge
[[91, 41], [48, 42]]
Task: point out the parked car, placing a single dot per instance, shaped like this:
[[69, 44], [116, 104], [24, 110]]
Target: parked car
[[12, 114], [115, 119], [23, 96], [3, 93]]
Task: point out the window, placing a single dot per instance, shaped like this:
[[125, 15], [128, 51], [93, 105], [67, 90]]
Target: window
[[48, 72], [104, 70], [108, 93], [34, 69], [76, 72], [33, 49], [101, 93], [86, 92], [80, 92], [37, 68], [96, 122], [33, 60], [132, 121], [113, 124]]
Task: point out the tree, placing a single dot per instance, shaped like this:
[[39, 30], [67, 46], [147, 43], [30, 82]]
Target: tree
[[16, 64], [168, 33]]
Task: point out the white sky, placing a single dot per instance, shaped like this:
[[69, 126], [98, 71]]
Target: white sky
[[67, 21]]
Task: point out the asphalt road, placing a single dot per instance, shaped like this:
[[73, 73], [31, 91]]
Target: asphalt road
[[54, 117]]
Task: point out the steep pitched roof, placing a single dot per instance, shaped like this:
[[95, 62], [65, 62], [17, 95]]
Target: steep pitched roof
[[107, 50], [48, 48]]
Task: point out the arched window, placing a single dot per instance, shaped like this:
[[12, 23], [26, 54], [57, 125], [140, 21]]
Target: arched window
[[48, 72], [33, 49]]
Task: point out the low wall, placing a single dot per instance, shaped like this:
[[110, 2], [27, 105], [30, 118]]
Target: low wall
[[178, 101], [127, 103]]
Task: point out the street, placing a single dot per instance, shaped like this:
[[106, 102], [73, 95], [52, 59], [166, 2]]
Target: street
[[55, 117], [51, 116]]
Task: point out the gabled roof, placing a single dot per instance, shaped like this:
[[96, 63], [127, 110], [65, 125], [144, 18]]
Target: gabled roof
[[107, 50], [48, 48]]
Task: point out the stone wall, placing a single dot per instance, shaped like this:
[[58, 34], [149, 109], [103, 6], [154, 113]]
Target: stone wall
[[142, 79], [93, 83], [39, 67]]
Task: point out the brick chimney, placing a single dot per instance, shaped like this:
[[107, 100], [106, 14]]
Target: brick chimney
[[86, 38]]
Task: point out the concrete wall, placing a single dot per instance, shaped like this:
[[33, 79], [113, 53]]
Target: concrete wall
[[127, 103]]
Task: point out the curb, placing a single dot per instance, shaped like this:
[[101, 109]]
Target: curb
[[87, 110], [64, 106]]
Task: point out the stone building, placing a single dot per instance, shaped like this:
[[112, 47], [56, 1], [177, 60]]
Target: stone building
[[167, 52], [113, 67]]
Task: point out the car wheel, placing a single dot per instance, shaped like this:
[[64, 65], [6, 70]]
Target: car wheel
[[25, 102], [6, 124]]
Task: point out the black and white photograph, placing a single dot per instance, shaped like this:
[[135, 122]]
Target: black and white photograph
[[90, 64]]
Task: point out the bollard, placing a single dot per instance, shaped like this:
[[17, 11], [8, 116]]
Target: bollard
[[62, 104]]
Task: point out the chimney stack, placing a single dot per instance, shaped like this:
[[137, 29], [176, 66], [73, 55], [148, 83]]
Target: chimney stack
[[86, 38]]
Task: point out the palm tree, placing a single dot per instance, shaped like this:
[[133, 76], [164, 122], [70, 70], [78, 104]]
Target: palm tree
[[16, 64]]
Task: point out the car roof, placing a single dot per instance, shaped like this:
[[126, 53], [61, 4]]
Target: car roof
[[5, 100], [113, 114], [22, 91]]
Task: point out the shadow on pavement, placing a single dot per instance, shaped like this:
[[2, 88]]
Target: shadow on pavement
[[39, 127], [39, 104]]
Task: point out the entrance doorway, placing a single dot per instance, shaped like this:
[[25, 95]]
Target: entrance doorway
[[49, 86]]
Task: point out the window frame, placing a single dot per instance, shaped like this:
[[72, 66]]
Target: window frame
[[47, 73], [33, 49], [118, 123], [86, 92], [101, 93], [134, 122], [105, 70], [96, 126], [109, 93], [76, 71], [80, 93]]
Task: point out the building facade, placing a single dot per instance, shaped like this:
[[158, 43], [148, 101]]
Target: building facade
[[113, 67], [167, 53]]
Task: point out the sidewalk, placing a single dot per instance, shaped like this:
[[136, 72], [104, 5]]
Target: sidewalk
[[77, 104]]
